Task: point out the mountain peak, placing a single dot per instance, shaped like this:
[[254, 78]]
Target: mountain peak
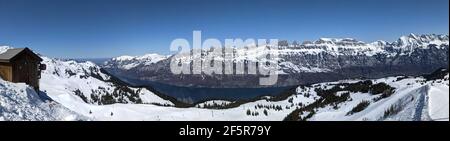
[[151, 56], [123, 58], [413, 40], [338, 41]]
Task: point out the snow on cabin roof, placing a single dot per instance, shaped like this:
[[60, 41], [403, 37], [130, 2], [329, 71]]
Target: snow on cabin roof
[[11, 53]]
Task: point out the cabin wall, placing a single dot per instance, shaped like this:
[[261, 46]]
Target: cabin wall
[[6, 71], [25, 69]]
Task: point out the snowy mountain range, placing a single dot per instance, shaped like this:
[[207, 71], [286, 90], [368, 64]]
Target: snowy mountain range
[[73, 90], [129, 62], [391, 98], [327, 59]]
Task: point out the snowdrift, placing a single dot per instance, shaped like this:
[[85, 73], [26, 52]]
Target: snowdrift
[[19, 102]]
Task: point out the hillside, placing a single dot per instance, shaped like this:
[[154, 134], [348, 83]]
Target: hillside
[[19, 102], [88, 83]]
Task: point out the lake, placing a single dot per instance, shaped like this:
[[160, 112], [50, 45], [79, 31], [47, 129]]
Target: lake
[[198, 94]]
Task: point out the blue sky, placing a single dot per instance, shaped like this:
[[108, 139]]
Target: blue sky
[[108, 28]]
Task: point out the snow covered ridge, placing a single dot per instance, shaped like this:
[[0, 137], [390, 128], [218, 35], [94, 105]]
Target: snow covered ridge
[[129, 62], [421, 40], [20, 102], [88, 83], [349, 46], [400, 99]]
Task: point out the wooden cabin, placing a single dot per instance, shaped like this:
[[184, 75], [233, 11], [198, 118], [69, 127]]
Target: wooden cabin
[[21, 65]]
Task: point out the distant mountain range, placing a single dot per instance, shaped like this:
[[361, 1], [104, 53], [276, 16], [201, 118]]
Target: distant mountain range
[[327, 59], [130, 62], [84, 91]]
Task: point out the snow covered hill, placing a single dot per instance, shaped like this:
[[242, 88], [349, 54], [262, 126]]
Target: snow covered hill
[[87, 83], [21, 102], [402, 99]]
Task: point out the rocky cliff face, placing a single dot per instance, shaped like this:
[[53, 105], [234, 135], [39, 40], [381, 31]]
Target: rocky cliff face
[[326, 59]]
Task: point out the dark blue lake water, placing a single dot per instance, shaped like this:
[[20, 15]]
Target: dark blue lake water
[[198, 94]]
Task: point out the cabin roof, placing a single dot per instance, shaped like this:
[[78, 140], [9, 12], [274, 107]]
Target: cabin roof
[[10, 54]]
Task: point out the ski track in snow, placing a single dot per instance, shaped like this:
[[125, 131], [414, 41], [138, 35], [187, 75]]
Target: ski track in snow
[[419, 107]]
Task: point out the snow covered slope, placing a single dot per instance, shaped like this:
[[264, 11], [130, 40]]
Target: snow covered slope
[[87, 83], [20, 102], [437, 97], [402, 99]]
